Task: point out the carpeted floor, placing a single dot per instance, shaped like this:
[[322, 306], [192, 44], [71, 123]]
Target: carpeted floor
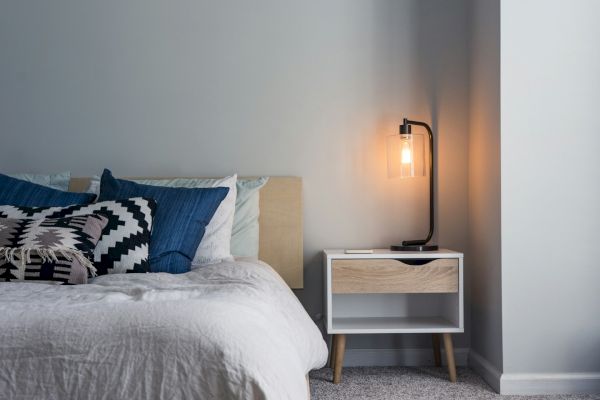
[[401, 383]]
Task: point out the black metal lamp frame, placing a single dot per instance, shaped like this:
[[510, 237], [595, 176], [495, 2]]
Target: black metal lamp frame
[[420, 245]]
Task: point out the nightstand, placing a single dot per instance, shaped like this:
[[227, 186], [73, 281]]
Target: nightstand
[[394, 292]]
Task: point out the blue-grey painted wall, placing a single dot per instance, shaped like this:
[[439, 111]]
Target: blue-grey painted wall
[[307, 88], [485, 258]]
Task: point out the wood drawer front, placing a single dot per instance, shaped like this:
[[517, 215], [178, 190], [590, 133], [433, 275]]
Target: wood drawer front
[[388, 275]]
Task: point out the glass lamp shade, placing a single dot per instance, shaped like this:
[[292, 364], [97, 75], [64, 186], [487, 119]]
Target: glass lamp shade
[[406, 155]]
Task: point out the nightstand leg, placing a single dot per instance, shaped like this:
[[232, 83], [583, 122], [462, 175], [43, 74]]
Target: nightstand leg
[[437, 354], [332, 352], [340, 347], [450, 356]]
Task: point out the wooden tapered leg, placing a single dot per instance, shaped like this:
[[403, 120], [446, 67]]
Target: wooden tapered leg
[[450, 356], [332, 352], [340, 347], [437, 354]]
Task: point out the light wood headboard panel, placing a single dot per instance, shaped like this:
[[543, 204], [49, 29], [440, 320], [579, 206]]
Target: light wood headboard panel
[[281, 225]]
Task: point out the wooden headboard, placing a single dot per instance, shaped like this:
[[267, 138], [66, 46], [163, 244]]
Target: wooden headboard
[[280, 221]]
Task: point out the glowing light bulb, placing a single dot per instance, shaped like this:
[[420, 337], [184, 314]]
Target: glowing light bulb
[[406, 153]]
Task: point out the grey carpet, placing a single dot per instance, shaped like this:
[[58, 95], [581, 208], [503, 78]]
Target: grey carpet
[[401, 383]]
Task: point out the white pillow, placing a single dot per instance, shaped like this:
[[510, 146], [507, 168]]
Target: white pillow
[[215, 246]]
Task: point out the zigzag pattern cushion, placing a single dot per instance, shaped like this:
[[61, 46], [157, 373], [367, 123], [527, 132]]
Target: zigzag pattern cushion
[[123, 246], [49, 249], [181, 218]]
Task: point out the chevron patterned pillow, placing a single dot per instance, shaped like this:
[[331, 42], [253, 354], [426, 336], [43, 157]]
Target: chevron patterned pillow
[[49, 249], [123, 246]]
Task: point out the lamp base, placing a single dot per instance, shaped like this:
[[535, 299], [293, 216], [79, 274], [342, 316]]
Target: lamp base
[[419, 247]]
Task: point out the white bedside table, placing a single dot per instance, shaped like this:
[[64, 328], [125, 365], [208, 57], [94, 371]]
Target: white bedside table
[[394, 292]]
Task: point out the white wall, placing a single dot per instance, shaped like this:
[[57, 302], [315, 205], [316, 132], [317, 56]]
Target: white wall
[[203, 88], [484, 257], [550, 192]]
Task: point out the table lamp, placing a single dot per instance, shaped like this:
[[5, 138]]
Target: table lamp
[[405, 160]]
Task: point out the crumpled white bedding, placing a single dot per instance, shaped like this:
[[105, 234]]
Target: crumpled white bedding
[[232, 330]]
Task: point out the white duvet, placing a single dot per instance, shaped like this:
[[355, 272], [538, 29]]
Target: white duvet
[[228, 331]]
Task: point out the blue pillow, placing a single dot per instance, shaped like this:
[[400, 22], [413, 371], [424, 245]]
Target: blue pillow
[[16, 192], [179, 223]]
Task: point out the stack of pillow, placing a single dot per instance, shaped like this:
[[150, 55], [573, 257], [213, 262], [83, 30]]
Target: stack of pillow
[[47, 233]]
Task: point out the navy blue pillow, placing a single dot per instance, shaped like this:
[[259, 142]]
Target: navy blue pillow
[[179, 223], [16, 192]]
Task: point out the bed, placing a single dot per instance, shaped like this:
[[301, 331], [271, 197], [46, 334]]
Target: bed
[[229, 330]]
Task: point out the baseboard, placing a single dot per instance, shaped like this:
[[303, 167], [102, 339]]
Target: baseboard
[[398, 357], [533, 384], [505, 384], [547, 384], [486, 370]]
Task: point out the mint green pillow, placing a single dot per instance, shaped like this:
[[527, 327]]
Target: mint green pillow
[[58, 181], [245, 233]]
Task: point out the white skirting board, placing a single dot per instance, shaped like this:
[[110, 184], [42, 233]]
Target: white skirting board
[[399, 357], [534, 384], [486, 370], [546, 384], [506, 384]]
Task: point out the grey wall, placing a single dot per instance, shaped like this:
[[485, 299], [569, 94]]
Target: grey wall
[[484, 257], [266, 87], [550, 186]]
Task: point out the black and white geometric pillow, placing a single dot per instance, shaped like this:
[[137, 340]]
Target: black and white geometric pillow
[[49, 249], [124, 244]]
